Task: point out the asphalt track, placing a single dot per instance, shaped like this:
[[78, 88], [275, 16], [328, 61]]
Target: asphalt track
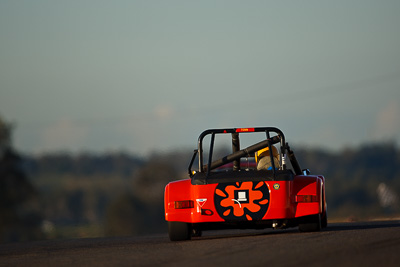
[[375, 243]]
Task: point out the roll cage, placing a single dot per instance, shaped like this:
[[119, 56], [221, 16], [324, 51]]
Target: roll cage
[[272, 136]]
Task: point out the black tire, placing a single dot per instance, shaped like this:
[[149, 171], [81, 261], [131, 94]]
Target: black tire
[[312, 224], [324, 220], [324, 216], [178, 231]]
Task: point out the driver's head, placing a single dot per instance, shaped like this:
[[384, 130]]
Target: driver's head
[[264, 161], [265, 152]]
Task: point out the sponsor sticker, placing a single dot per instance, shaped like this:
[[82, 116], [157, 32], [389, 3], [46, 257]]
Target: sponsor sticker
[[201, 202], [242, 201]]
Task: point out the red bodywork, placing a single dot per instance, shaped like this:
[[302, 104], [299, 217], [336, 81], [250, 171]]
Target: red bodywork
[[292, 199], [234, 194]]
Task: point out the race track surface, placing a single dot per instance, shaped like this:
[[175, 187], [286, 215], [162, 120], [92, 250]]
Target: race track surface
[[374, 243]]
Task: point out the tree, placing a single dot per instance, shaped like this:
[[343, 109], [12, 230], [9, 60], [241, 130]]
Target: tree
[[141, 211], [19, 219], [127, 216]]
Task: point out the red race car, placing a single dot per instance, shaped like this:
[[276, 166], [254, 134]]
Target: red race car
[[259, 186]]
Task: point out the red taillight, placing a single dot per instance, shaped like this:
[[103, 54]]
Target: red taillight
[[243, 130], [306, 198], [184, 204]]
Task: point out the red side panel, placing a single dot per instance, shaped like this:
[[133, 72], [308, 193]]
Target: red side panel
[[177, 191], [201, 195], [307, 195]]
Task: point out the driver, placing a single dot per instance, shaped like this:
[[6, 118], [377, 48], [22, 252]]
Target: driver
[[263, 158]]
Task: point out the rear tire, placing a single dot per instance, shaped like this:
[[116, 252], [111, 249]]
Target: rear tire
[[324, 220], [178, 231], [312, 224]]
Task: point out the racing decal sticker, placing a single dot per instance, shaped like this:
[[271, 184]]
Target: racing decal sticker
[[201, 202], [277, 186], [207, 212], [242, 200]]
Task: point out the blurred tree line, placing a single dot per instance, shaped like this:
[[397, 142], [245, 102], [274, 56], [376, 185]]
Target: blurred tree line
[[20, 218], [355, 178], [62, 195]]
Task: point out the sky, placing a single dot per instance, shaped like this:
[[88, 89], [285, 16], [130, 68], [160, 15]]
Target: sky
[[148, 76]]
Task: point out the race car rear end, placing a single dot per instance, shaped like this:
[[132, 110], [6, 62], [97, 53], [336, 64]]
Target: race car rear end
[[231, 192]]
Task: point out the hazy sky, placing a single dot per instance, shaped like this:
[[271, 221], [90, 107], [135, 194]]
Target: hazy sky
[[150, 75]]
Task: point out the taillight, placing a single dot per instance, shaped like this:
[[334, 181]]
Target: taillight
[[184, 204], [306, 198], [244, 130]]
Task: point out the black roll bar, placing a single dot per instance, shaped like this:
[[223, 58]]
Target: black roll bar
[[241, 153], [236, 155]]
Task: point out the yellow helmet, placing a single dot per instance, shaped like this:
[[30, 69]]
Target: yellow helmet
[[265, 152]]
